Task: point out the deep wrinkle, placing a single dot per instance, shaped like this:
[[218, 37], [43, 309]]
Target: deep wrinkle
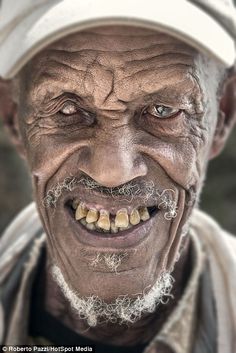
[[164, 92]]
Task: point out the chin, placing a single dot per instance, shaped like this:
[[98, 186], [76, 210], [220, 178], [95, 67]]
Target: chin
[[122, 309]]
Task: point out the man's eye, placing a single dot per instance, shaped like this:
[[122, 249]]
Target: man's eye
[[161, 111], [69, 108]]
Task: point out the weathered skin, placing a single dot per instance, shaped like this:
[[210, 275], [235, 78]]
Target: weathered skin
[[115, 77]]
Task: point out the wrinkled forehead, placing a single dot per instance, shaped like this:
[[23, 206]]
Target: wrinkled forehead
[[129, 61], [117, 38], [115, 42], [112, 48]]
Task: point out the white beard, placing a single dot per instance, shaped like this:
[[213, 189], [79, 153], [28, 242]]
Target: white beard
[[123, 309]]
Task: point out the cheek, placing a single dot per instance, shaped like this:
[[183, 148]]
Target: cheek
[[48, 149], [182, 152], [184, 162]]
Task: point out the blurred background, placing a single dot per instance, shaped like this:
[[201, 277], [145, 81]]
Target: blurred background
[[218, 197]]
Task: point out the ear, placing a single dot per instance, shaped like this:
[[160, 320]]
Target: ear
[[227, 115], [9, 115]]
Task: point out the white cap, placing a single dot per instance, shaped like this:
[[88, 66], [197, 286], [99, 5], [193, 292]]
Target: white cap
[[28, 26]]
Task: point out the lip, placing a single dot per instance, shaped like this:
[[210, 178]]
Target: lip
[[111, 206], [127, 238]]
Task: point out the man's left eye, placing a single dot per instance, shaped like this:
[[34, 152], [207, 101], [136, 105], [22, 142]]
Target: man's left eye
[[69, 108], [162, 111]]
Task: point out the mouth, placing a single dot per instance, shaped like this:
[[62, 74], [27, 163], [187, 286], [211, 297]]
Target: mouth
[[115, 226]]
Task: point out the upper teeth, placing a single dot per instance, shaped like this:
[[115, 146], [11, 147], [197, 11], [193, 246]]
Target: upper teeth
[[81, 211], [102, 220], [135, 217], [122, 219], [92, 216], [144, 214]]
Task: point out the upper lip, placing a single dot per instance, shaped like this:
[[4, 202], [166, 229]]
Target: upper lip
[[100, 201]]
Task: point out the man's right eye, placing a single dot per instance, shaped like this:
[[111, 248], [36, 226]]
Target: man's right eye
[[69, 108]]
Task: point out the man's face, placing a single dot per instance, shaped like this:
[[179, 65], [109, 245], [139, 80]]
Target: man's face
[[115, 120]]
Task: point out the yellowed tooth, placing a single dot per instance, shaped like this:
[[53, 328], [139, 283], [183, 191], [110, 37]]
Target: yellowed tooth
[[92, 216], [90, 226], [144, 214], [104, 220], [75, 204], [134, 217], [122, 218], [114, 229], [125, 228], [83, 221], [81, 212]]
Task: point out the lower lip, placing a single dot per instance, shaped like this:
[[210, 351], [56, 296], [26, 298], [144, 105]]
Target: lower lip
[[125, 239]]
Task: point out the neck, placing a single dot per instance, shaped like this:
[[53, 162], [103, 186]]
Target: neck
[[57, 305]]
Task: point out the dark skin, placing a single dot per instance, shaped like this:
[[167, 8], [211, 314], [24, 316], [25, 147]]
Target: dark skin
[[111, 81]]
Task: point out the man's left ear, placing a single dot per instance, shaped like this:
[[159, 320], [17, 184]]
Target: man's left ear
[[226, 115]]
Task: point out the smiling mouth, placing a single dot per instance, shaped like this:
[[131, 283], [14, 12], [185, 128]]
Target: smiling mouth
[[102, 222]]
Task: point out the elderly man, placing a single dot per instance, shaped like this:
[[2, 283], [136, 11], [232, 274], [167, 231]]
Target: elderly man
[[117, 109]]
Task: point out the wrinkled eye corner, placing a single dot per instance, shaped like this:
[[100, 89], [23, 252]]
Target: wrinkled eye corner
[[161, 111]]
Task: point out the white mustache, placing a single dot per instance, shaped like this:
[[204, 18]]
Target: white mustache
[[145, 191]]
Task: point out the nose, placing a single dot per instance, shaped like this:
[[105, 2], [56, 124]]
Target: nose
[[111, 165]]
